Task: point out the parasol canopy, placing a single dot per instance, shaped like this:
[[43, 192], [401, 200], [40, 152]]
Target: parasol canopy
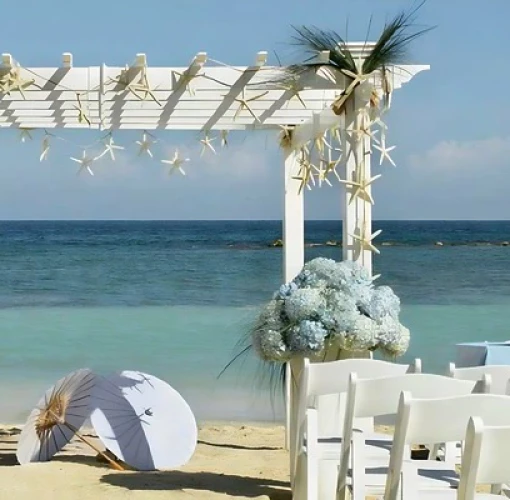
[[57, 417], [143, 420]]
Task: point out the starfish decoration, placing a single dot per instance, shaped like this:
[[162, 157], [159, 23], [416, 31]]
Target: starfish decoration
[[286, 135], [206, 144], [24, 134], [385, 150], [366, 241], [331, 164], [361, 188], [244, 104], [176, 163], [224, 138], [362, 130], [109, 147], [12, 81], [322, 173], [293, 86], [45, 147], [82, 115], [145, 144], [141, 89], [85, 162], [305, 174], [185, 80]]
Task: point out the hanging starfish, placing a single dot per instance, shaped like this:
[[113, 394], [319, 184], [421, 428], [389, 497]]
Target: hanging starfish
[[286, 135], [145, 144], [244, 104], [176, 163], [24, 134], [141, 89], [305, 174], [224, 138], [366, 241], [45, 147], [331, 164], [185, 79], [82, 115], [361, 188], [85, 162], [109, 148], [293, 86], [362, 130], [206, 144], [384, 150], [322, 173], [12, 82]]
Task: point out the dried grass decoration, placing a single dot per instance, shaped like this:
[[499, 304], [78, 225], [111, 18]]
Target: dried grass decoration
[[58, 417]]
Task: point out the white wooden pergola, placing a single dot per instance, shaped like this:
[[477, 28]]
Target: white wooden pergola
[[214, 98]]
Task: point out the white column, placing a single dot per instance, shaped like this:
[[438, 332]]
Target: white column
[[364, 206], [293, 219], [293, 260], [349, 222]]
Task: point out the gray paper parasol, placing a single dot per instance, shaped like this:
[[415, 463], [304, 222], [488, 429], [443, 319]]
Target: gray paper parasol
[[143, 421]]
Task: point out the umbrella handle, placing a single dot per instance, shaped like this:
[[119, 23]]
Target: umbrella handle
[[113, 463]]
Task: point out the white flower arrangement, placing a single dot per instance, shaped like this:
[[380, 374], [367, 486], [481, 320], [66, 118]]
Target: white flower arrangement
[[329, 305]]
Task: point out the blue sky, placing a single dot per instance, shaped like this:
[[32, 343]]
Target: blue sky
[[449, 124]]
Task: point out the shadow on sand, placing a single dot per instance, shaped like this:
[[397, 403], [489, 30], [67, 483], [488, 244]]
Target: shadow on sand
[[240, 447], [203, 481]]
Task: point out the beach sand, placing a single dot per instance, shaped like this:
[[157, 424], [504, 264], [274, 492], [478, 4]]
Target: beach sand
[[231, 461]]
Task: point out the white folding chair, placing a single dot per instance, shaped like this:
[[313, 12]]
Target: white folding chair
[[375, 398], [499, 375], [430, 421], [485, 460], [321, 406]]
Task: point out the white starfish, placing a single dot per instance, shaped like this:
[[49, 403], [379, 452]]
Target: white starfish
[[206, 144], [145, 145], [224, 138], [12, 81], [361, 188], [244, 104], [322, 173], [24, 134], [136, 88], [385, 150], [45, 148], [109, 147], [294, 87], [176, 163], [85, 162], [366, 241], [331, 164], [305, 174]]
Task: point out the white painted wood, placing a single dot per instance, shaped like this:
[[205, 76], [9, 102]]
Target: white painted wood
[[293, 255]]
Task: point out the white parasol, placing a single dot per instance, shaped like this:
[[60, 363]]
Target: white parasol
[[57, 419], [143, 421]]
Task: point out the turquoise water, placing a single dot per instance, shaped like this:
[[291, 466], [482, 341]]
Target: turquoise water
[[173, 298]]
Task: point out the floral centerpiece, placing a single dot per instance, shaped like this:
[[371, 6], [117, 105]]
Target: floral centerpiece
[[329, 305]]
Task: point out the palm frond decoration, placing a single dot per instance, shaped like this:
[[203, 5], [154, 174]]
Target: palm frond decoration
[[390, 49]]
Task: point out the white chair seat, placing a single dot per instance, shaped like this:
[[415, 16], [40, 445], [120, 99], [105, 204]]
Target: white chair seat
[[378, 446], [432, 475], [452, 495]]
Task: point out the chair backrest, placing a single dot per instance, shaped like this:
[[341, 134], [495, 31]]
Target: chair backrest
[[324, 385], [439, 421], [485, 458], [500, 375], [381, 396]]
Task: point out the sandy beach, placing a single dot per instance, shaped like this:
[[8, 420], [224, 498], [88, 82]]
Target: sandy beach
[[231, 461]]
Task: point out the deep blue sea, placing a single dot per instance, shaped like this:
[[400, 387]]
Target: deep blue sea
[[172, 298]]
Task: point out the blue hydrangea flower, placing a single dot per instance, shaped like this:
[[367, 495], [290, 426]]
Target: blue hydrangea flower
[[307, 337], [306, 303]]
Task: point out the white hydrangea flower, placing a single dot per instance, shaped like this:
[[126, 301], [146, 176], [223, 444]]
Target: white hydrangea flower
[[307, 337], [362, 336]]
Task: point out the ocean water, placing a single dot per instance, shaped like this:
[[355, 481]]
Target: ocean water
[[173, 298]]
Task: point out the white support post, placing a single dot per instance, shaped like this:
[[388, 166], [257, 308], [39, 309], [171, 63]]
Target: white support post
[[364, 206], [293, 261], [350, 155]]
